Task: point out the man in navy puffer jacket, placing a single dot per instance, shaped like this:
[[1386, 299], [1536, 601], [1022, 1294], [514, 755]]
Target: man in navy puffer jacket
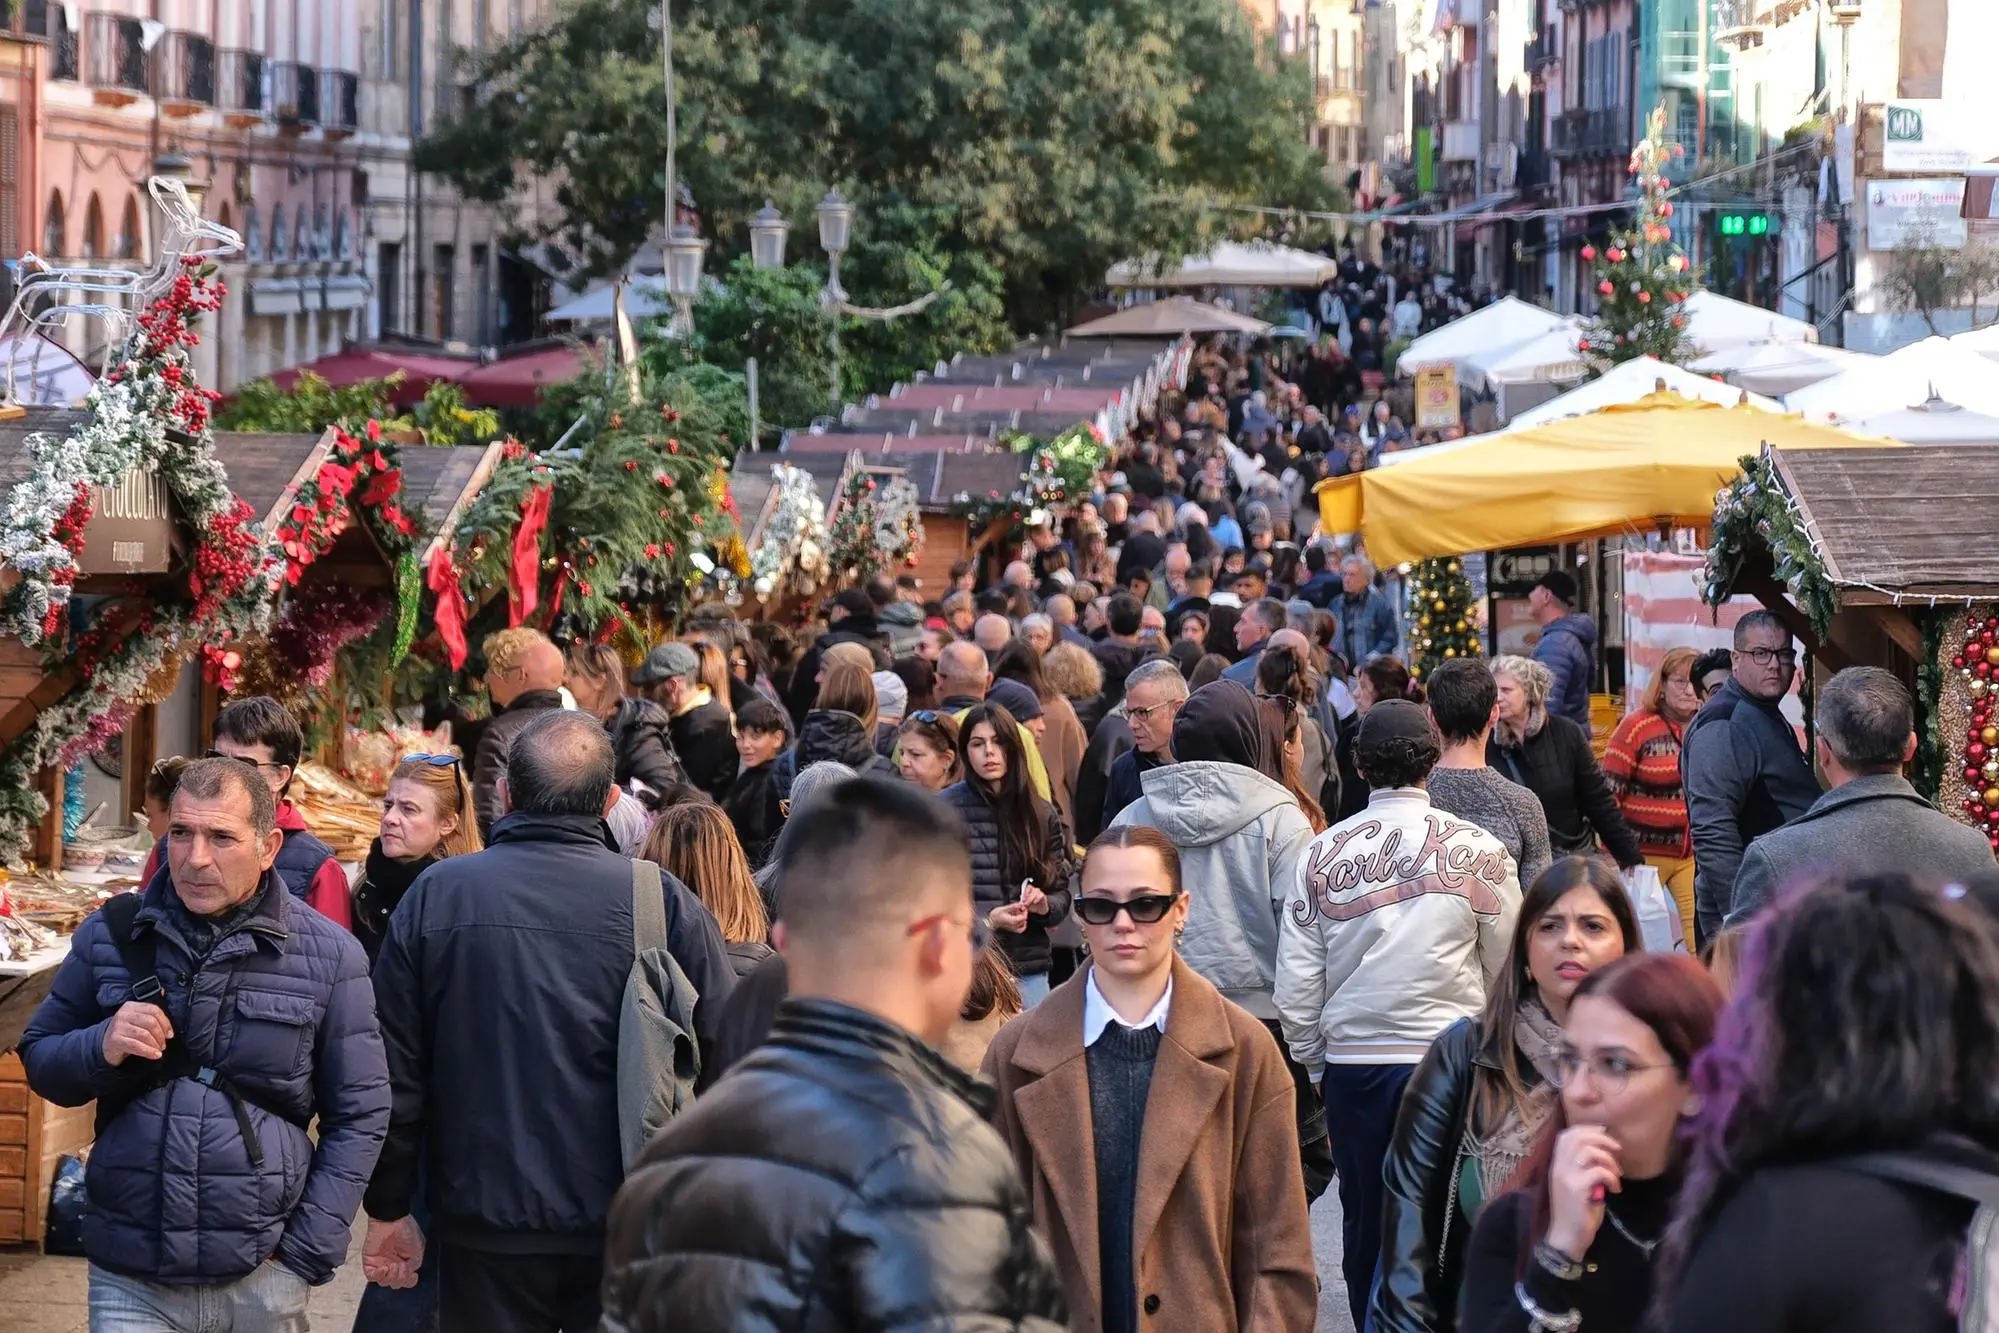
[[261, 1019]]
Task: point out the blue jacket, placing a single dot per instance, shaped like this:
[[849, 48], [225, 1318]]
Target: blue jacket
[[500, 985], [1568, 649], [1322, 589], [1366, 626], [282, 1007]]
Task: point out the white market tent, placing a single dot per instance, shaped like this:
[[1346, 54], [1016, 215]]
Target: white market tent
[[1934, 367], [1172, 316], [1505, 324], [1780, 368], [1230, 264], [645, 298], [1984, 341], [1715, 321], [1553, 357], [1629, 381], [1933, 422]]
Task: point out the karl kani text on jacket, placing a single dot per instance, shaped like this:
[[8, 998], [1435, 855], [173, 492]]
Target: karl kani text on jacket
[[1449, 859]]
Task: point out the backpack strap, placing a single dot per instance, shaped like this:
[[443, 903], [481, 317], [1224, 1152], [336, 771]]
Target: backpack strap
[[1927, 1172], [140, 957], [648, 909]]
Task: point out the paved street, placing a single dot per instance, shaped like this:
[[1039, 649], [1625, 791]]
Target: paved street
[[47, 1295]]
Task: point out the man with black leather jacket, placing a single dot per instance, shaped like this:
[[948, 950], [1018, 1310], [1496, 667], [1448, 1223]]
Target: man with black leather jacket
[[843, 1176]]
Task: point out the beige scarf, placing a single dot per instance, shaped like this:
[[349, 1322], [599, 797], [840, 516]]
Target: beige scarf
[[1501, 1150]]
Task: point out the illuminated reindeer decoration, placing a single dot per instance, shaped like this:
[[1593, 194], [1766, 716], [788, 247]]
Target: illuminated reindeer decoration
[[185, 235]]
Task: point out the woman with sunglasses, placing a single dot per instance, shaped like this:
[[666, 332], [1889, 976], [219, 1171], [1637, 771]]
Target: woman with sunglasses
[[1479, 1098], [1572, 1245], [926, 750], [1151, 1120], [426, 816], [1021, 859]]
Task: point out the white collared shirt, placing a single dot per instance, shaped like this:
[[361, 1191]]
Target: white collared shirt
[[1098, 1014]]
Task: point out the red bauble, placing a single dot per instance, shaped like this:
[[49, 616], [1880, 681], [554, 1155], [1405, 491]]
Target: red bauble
[[1975, 750], [1589, 252]]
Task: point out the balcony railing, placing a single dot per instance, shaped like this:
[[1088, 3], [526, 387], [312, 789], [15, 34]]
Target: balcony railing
[[187, 69], [115, 54], [1540, 53], [1534, 170], [1568, 133], [294, 93], [342, 90], [239, 84], [1609, 131]]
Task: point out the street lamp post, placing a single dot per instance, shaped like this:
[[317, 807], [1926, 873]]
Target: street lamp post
[[684, 251], [768, 231], [836, 223]]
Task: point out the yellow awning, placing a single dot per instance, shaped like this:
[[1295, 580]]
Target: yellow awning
[[1629, 468]]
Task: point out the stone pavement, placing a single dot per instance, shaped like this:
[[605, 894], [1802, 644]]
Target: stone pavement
[[47, 1295]]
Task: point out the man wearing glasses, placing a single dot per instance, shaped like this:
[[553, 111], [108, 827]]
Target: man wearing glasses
[[1745, 773]]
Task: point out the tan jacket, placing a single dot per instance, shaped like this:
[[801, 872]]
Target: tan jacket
[[1062, 753], [1221, 1238]]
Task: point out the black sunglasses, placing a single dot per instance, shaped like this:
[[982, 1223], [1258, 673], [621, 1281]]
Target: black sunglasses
[[1146, 909]]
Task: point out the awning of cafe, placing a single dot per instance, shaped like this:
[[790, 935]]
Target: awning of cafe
[[357, 365], [1652, 464]]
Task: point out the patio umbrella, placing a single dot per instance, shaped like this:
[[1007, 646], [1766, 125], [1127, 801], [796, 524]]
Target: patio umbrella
[[1934, 367], [1629, 468], [1627, 382], [1168, 318], [1933, 422], [1231, 264], [1506, 323], [1715, 321], [1780, 368]]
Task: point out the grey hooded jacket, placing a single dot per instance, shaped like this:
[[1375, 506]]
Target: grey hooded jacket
[[1240, 837]]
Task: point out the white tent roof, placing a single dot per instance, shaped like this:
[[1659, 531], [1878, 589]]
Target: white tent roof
[[1984, 341], [645, 298], [1780, 368], [1933, 367], [1172, 316], [1231, 264], [1506, 323], [1715, 321], [1629, 381], [1551, 358], [1933, 422]]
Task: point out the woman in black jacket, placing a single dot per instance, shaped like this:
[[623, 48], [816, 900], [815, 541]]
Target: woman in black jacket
[[640, 742], [1474, 1105], [1551, 757], [840, 728], [1021, 857], [1866, 1022]]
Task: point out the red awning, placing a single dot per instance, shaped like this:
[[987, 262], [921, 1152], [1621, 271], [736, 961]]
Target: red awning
[[357, 365], [518, 381]]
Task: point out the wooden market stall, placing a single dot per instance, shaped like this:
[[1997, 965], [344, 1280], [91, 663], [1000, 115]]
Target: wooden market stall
[[1884, 557]]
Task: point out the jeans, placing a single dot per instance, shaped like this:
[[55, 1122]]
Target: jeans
[[1361, 1101], [1033, 989], [271, 1299]]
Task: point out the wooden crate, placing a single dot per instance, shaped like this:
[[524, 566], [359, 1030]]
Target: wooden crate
[[34, 1135]]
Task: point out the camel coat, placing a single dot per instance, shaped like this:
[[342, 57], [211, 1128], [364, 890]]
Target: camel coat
[[1221, 1239], [1062, 755]]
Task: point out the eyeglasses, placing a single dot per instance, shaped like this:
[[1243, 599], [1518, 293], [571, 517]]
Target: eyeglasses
[[254, 763], [1609, 1070], [1284, 701], [434, 760], [1145, 714], [1146, 909], [1765, 656], [929, 717], [982, 934], [1684, 681]]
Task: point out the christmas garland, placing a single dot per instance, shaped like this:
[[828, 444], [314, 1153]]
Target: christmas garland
[[792, 553], [151, 414], [879, 525], [1752, 512], [1059, 471], [1967, 720]]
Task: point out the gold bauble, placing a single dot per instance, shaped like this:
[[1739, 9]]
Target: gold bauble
[[1976, 689], [1455, 568], [1989, 735], [1461, 627], [1992, 655], [1438, 605], [1991, 798], [1452, 652]]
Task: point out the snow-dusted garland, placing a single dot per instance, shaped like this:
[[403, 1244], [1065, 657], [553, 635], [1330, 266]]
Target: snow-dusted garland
[[794, 541], [878, 527]]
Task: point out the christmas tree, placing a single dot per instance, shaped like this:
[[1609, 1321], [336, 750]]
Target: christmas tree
[[1642, 278], [1440, 598]]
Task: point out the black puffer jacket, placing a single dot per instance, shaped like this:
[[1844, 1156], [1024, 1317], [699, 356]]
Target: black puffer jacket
[[900, 1209], [1422, 1254], [996, 883], [643, 745], [828, 735], [1557, 765]]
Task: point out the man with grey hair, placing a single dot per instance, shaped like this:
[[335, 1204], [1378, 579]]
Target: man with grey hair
[[1744, 772], [500, 987], [1366, 621], [1259, 620], [212, 1017], [1153, 693], [992, 633], [1871, 821]]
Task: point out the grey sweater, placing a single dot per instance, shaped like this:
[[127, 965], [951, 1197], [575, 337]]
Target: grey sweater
[[1506, 810]]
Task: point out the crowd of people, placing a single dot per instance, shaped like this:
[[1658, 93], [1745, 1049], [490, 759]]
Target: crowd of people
[[1032, 955]]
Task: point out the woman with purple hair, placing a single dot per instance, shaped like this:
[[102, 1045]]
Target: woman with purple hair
[[1570, 1246], [1850, 1118]]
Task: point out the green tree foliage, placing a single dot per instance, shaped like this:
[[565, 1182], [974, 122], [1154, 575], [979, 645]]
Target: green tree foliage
[[1440, 599], [1642, 278], [1013, 147], [311, 405]]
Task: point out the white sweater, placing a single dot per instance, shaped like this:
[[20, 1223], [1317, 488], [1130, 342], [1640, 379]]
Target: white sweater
[[1399, 919]]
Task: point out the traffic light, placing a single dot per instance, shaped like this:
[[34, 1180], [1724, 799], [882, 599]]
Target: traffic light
[[1746, 224]]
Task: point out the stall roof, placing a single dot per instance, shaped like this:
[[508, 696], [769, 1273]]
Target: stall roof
[[439, 480], [939, 478], [1903, 522], [267, 470]]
